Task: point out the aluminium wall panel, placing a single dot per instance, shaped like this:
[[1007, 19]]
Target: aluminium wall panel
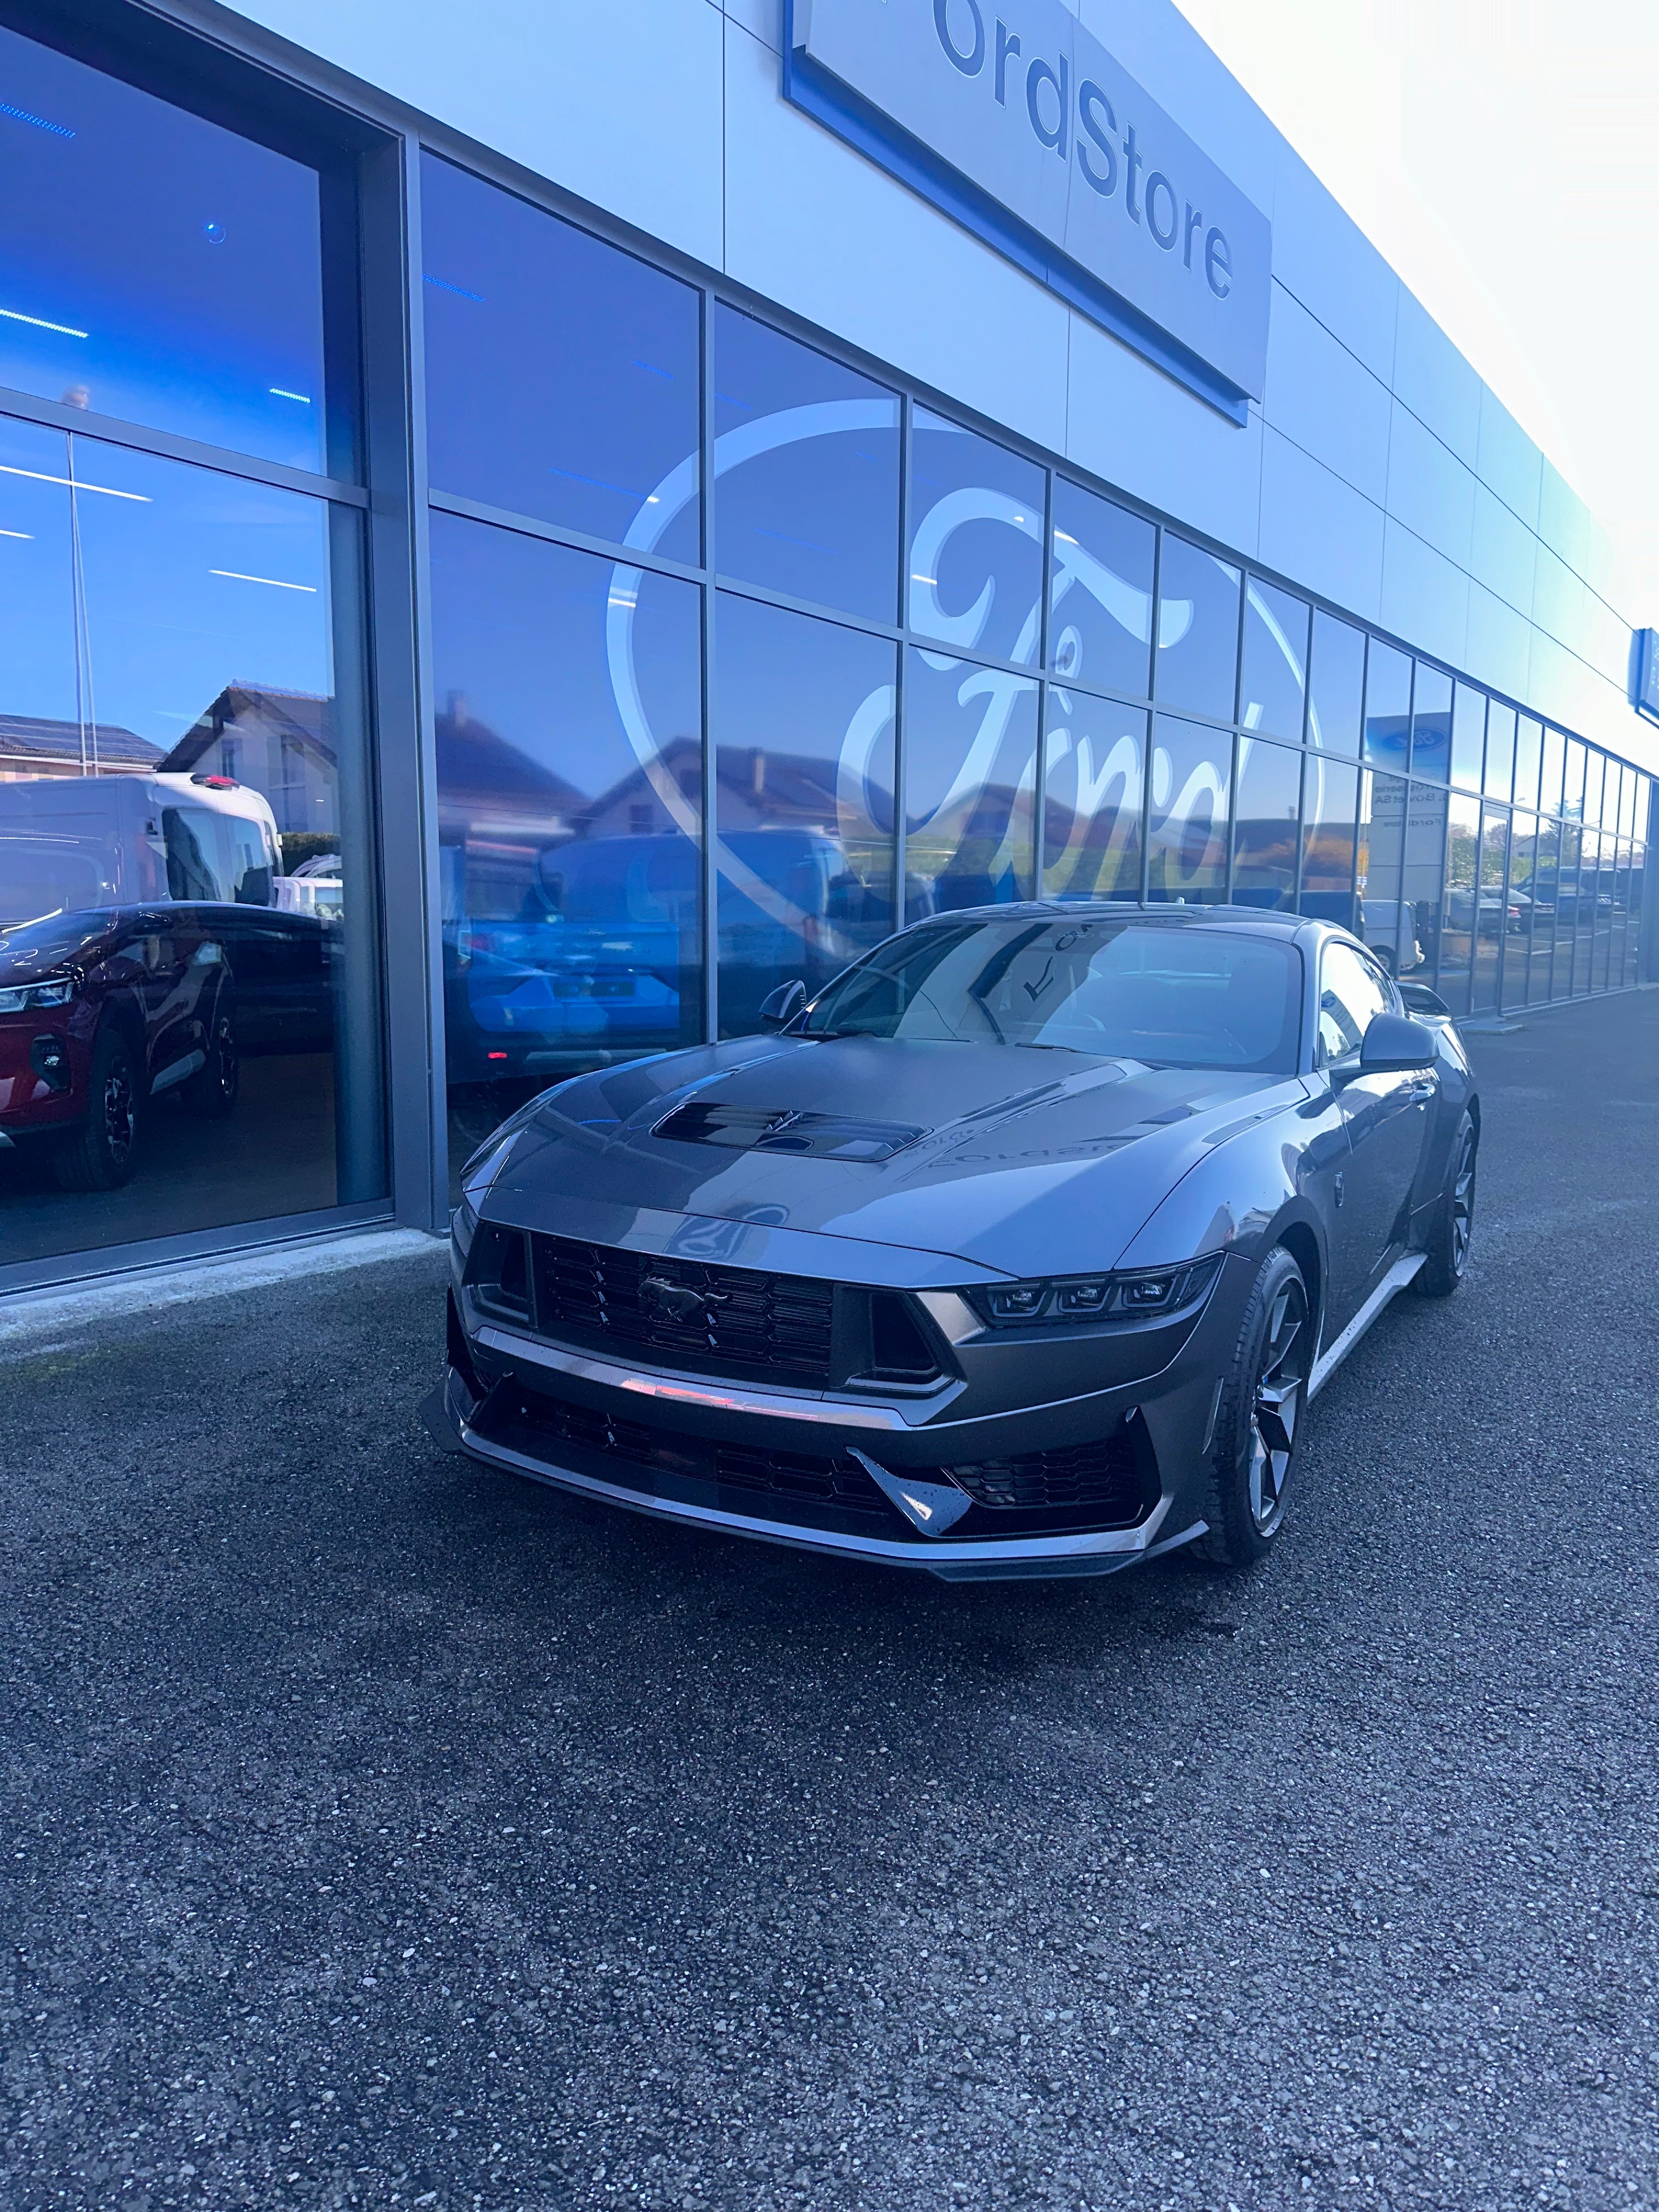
[[619, 104], [1426, 597], [1433, 379], [1139, 430], [1318, 530], [1325, 399], [1430, 489]]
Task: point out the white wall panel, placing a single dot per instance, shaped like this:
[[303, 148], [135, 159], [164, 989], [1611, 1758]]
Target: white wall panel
[[1564, 521], [1558, 600], [1429, 490], [813, 225], [1141, 431], [1319, 395], [1507, 460], [1433, 379], [1323, 256], [620, 104], [1425, 597], [1503, 551], [1499, 643], [1318, 531]]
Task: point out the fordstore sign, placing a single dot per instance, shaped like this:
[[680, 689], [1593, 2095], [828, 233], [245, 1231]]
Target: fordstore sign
[[1014, 119]]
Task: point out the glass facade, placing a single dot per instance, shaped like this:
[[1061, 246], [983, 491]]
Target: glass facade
[[741, 654], [871, 751], [190, 952]]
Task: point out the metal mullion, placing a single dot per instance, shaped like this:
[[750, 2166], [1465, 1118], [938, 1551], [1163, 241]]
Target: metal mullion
[[1150, 724], [710, 871], [1238, 731], [111, 430], [901, 903], [1040, 770], [402, 715], [1444, 791], [556, 533]]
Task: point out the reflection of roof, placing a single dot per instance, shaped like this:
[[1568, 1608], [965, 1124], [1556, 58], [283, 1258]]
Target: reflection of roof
[[255, 709], [775, 786], [35, 746], [476, 763]]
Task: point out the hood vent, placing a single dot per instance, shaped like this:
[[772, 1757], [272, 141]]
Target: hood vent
[[768, 1130]]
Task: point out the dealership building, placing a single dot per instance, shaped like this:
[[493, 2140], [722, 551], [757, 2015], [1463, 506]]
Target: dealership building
[[524, 526]]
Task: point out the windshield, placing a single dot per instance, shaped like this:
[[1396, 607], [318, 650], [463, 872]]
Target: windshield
[[1119, 990]]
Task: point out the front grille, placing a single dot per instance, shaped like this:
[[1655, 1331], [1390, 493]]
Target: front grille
[[729, 1318], [538, 1424], [1105, 1476], [1094, 1486]]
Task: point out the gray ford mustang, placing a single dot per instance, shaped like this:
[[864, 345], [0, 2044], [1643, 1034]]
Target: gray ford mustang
[[1019, 1251]]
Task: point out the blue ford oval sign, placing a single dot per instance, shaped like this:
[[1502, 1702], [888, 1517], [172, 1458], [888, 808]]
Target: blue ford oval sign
[[1015, 120]]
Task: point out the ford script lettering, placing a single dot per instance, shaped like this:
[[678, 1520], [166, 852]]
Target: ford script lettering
[[1013, 118]]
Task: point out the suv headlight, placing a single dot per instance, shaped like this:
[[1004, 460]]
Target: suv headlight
[[1073, 1298], [55, 991]]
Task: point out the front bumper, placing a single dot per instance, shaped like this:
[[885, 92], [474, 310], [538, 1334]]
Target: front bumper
[[852, 1477]]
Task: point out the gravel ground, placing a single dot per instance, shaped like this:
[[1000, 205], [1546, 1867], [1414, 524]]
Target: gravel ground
[[384, 1832]]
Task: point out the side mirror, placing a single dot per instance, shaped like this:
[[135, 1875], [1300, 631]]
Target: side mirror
[[1395, 1043], [780, 1007], [1419, 999]]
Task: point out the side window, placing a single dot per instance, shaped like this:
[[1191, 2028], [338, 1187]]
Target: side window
[[188, 834], [250, 870], [1351, 992]]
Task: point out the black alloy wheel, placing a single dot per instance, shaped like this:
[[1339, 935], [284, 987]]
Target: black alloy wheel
[[1449, 1238], [211, 1093], [1259, 1423], [100, 1154]]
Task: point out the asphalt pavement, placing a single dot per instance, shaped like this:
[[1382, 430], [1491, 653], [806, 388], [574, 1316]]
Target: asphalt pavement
[[379, 1831]]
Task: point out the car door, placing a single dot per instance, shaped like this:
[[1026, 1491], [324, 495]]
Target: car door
[[1387, 1117]]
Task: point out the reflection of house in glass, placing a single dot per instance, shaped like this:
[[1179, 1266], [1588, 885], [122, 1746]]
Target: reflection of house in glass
[[31, 746], [281, 743], [498, 811]]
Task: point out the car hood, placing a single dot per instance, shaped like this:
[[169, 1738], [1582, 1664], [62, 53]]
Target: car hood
[[1016, 1161], [31, 949]]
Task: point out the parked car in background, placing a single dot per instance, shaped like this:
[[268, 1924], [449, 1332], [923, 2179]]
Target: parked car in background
[[141, 952], [600, 955]]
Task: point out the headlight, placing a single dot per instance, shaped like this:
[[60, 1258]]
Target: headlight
[[27, 996], [463, 1226], [1096, 1297]]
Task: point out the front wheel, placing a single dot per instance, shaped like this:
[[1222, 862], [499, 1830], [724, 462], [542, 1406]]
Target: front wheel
[[1258, 1424], [99, 1156], [1453, 1226]]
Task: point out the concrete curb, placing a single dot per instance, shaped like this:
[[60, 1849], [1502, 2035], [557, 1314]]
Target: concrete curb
[[30, 1314]]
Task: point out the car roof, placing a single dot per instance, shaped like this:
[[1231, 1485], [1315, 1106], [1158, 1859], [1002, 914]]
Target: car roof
[[1251, 920]]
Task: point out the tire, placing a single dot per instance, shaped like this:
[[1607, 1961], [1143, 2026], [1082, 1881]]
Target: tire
[[102, 1154], [1258, 1430], [211, 1093], [1448, 1245]]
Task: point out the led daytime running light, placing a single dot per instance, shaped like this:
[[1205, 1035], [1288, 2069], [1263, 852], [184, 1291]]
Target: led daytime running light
[[1076, 1298]]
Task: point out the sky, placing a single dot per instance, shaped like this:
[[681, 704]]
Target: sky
[[1502, 154]]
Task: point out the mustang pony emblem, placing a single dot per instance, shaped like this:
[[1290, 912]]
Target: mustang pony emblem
[[678, 1304]]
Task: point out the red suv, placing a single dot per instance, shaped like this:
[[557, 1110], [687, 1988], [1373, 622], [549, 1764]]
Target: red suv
[[112, 987]]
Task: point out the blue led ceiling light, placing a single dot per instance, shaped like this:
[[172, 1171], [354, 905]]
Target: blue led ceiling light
[[40, 323], [277, 392], [36, 122]]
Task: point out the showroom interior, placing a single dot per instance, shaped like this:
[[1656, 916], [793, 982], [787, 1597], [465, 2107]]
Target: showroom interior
[[474, 638]]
